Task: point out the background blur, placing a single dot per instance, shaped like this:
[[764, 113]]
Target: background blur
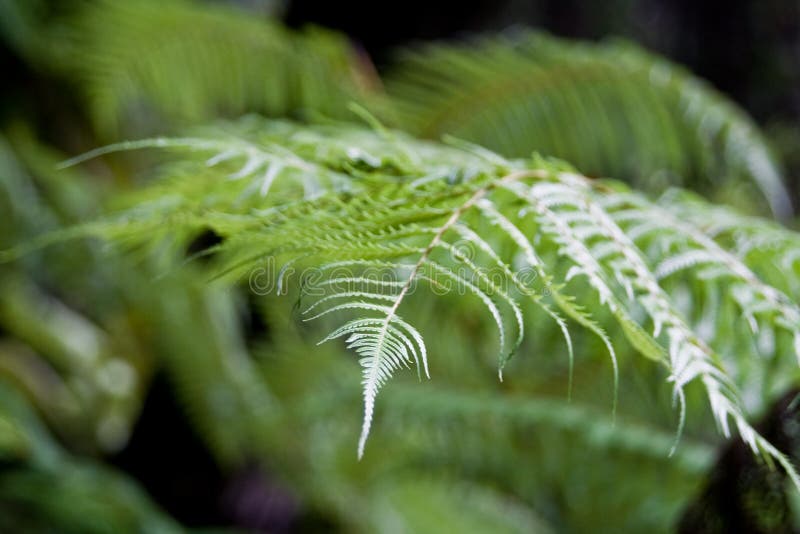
[[106, 375]]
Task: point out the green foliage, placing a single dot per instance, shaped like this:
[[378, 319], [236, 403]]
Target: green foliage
[[614, 321], [146, 65], [611, 109], [378, 214], [42, 485]]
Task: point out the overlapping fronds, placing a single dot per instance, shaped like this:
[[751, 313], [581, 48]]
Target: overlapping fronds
[[611, 109], [146, 65], [393, 219], [512, 436], [769, 249]]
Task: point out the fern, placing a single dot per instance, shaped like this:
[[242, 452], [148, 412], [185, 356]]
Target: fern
[[767, 248], [521, 438], [631, 115], [127, 58], [399, 211], [612, 109]]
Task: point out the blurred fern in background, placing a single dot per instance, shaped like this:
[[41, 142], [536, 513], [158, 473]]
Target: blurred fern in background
[[612, 109]]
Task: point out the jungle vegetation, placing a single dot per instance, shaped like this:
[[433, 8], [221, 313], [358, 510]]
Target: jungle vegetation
[[507, 283]]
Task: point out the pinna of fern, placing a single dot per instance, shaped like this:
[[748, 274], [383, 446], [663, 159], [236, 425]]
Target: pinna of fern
[[390, 218]]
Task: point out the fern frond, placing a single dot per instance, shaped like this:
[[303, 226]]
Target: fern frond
[[689, 248], [612, 109], [412, 207], [523, 437], [770, 250], [555, 415], [128, 58]]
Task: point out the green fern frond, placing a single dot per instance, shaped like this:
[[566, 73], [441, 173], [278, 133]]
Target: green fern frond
[[690, 248], [612, 109], [600, 430], [397, 229], [769, 249], [128, 58]]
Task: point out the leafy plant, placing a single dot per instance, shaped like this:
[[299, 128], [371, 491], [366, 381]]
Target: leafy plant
[[612, 109], [127, 59], [378, 213], [245, 262]]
